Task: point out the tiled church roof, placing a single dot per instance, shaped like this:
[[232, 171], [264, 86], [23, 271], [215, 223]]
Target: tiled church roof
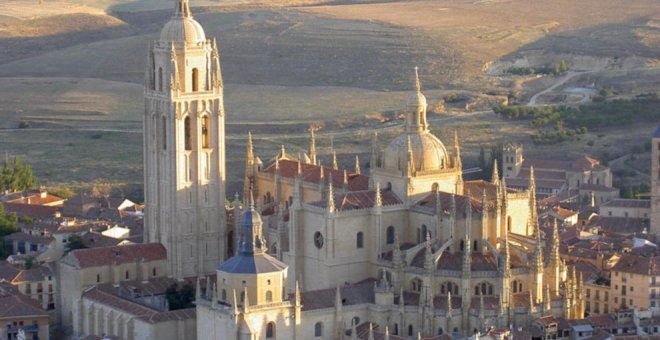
[[312, 173]]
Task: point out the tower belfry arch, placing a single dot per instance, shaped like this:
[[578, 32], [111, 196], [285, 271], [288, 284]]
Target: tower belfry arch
[[184, 147]]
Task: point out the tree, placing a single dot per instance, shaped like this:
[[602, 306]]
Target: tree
[[29, 263], [180, 297], [75, 242], [7, 226], [16, 176]]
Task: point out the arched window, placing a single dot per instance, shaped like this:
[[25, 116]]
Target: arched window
[[318, 329], [355, 321], [462, 245], [396, 329], [223, 296], [270, 330], [475, 245], [195, 80], [388, 187], [359, 240], [98, 277], [440, 331], [164, 131], [206, 134], [160, 79], [410, 330], [242, 297], [186, 134], [153, 271], [390, 235], [126, 275], [424, 232], [269, 296]]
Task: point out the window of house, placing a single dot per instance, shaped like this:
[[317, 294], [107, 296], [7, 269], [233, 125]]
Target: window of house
[[195, 80], [187, 134], [359, 240], [160, 79], [270, 330], [390, 235], [318, 329]]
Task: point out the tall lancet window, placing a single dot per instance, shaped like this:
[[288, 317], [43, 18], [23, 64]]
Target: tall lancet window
[[160, 79], [186, 133], [195, 80], [164, 130], [206, 134]]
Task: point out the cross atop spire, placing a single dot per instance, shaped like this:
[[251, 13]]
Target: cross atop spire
[[182, 9]]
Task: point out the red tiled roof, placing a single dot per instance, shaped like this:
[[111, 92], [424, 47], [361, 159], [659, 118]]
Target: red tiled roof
[[34, 211], [37, 199], [311, 173], [546, 164], [18, 306], [360, 200], [94, 257], [445, 201], [117, 302], [637, 265]]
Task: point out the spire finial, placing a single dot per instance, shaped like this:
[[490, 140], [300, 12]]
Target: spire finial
[[312, 147], [357, 164], [418, 84], [495, 179], [251, 202], [331, 196], [334, 160]]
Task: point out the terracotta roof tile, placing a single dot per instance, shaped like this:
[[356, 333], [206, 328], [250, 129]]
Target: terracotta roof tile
[[311, 173], [118, 254], [19, 305], [34, 211], [359, 200]]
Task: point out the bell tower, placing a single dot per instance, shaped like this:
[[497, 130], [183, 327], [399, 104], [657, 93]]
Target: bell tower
[[184, 147]]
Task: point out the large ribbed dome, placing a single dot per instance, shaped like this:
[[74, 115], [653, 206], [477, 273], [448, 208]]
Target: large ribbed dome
[[428, 152], [183, 29]]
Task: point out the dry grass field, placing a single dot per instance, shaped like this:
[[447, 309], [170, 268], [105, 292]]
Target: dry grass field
[[71, 72]]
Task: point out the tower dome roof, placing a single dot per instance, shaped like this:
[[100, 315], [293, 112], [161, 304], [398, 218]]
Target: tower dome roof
[[182, 27], [428, 152]]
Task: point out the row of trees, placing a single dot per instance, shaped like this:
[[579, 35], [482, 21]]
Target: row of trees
[[555, 69], [7, 226], [16, 176], [495, 153]]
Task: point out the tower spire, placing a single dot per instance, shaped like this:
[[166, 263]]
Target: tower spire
[[495, 179], [335, 166], [357, 164], [533, 217], [331, 196], [312, 147]]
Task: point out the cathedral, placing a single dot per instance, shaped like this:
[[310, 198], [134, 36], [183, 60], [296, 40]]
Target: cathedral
[[409, 250]]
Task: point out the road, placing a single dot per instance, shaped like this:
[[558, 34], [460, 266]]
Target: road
[[561, 81]]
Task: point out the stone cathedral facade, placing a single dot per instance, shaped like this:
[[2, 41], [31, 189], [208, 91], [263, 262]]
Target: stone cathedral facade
[[184, 147], [410, 250]]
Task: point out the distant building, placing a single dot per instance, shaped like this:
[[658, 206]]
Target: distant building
[[586, 175], [21, 315]]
